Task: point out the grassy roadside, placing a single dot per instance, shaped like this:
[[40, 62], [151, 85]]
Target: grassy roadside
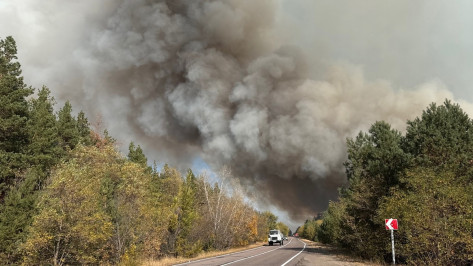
[[171, 260]]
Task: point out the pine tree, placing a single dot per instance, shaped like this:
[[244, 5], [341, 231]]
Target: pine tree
[[136, 155], [16, 214], [442, 136], [13, 116], [42, 127], [16, 200], [83, 127], [67, 127], [43, 152], [375, 162]]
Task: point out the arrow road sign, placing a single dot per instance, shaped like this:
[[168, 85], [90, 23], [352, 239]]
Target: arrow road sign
[[391, 224]]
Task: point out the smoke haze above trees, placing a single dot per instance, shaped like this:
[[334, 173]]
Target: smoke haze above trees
[[216, 80]]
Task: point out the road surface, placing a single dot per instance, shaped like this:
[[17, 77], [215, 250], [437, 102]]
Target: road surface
[[293, 252]]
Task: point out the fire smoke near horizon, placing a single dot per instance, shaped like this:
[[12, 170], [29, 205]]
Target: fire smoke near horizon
[[216, 80]]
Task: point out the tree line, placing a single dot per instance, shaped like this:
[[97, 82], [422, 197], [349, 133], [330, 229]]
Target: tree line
[[68, 196], [424, 178]]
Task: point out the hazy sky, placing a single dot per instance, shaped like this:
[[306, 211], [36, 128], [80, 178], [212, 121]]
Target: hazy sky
[[406, 42], [270, 88]]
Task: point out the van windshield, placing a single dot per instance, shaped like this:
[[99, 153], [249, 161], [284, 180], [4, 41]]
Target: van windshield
[[273, 232]]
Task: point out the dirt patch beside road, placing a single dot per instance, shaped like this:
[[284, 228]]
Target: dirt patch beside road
[[319, 254]]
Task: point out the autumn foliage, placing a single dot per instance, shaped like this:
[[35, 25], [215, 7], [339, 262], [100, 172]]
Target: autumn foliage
[[69, 197]]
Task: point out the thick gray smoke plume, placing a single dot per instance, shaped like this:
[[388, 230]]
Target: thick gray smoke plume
[[213, 79]]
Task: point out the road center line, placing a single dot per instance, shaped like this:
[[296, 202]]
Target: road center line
[[294, 255], [256, 255]]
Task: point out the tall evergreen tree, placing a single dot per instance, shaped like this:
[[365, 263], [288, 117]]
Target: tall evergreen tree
[[13, 115], [16, 200], [136, 155], [42, 127], [442, 136], [67, 127], [83, 127], [375, 163], [16, 214]]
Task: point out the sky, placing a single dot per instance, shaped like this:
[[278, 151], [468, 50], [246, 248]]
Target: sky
[[405, 42], [269, 88]]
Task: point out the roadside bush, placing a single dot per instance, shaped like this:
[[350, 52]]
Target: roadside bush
[[435, 213]]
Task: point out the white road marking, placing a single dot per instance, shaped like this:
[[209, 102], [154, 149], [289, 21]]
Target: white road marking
[[294, 255], [256, 255], [184, 263]]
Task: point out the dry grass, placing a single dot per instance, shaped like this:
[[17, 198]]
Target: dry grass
[[171, 260]]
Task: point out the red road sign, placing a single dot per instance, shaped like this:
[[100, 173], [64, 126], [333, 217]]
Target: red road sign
[[391, 224]]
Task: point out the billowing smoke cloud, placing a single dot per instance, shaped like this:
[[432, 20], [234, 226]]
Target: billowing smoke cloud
[[213, 79]]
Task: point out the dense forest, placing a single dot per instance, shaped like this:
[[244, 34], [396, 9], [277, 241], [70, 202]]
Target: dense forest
[[424, 178], [68, 196]]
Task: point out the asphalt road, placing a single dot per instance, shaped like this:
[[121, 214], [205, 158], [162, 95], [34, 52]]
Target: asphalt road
[[265, 255]]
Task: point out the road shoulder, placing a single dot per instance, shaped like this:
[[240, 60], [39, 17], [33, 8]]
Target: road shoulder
[[317, 253]]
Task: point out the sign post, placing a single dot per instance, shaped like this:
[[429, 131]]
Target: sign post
[[392, 242], [391, 224]]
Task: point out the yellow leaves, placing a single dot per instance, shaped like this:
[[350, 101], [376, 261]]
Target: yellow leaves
[[100, 208], [129, 257], [93, 201], [283, 228], [253, 227]]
